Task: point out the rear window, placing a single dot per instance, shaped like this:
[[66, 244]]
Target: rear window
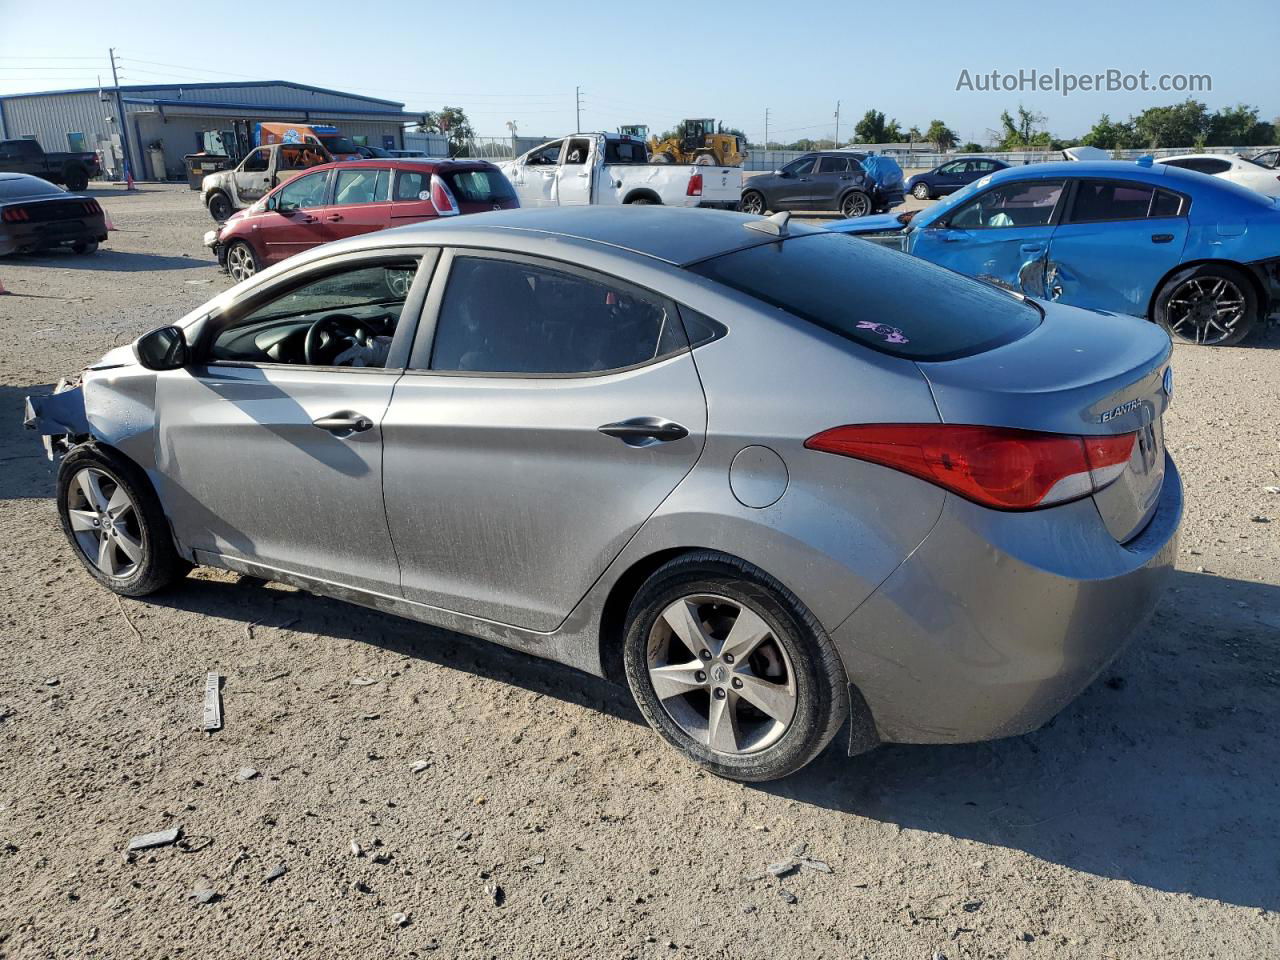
[[27, 187], [479, 186], [625, 151], [877, 297], [336, 143]]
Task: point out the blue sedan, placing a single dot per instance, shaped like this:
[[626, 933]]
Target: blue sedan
[[951, 176], [1194, 253]]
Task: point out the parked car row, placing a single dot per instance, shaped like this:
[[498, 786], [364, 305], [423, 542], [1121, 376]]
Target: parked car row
[[38, 215]]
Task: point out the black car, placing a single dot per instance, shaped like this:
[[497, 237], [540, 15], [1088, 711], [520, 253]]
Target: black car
[[951, 176], [821, 181], [27, 156], [36, 215]]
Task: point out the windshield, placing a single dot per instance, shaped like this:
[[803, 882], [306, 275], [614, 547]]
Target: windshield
[[336, 143], [877, 297]]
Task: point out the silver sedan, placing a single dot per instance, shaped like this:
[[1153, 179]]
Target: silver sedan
[[778, 480]]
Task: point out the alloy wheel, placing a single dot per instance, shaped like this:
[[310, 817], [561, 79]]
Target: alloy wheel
[[721, 674], [921, 191], [856, 205], [753, 203], [105, 523], [240, 262], [1206, 310]]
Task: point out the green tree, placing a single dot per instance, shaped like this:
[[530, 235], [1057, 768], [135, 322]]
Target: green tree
[[453, 123], [1183, 124], [1108, 134], [1238, 126], [732, 131], [1025, 130], [971, 147], [871, 128], [941, 136], [893, 133]]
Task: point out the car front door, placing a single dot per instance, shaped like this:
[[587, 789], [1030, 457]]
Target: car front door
[[792, 188], [296, 217], [360, 202], [946, 179], [266, 459], [1002, 234], [535, 178], [253, 176], [1116, 241], [574, 187], [546, 417]]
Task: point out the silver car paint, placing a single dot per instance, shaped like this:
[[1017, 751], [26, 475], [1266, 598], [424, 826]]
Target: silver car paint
[[914, 585]]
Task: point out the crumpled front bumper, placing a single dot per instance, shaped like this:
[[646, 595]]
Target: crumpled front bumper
[[219, 249], [59, 417]]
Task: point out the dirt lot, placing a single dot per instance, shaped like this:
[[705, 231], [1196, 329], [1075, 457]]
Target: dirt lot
[[1141, 823]]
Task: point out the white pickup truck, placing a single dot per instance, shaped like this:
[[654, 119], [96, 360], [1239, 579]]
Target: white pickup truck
[[609, 168]]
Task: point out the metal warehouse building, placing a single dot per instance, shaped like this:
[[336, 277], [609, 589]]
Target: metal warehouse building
[[171, 119]]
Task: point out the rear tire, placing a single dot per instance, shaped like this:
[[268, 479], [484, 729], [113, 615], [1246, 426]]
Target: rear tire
[[220, 206], [855, 204], [641, 202], [114, 522], [85, 247], [784, 662], [753, 202], [1211, 305], [77, 179]]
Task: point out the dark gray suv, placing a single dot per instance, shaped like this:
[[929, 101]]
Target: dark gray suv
[[833, 180]]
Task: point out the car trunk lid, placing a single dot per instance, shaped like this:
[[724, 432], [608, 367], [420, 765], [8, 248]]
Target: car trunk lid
[[1081, 373]]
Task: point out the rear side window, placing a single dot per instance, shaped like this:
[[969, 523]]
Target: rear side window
[[506, 316], [365, 185], [479, 186], [1106, 200], [411, 183], [877, 297]]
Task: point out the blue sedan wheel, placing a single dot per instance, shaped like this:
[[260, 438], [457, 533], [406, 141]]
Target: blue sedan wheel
[[921, 191], [1209, 305]]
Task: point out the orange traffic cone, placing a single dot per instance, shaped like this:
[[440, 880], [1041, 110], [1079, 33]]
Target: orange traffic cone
[[3, 291]]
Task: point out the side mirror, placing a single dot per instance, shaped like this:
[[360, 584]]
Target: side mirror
[[163, 349], [783, 174], [273, 202]]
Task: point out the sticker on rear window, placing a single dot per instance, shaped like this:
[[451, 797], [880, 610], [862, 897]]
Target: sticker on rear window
[[890, 334], [424, 194]]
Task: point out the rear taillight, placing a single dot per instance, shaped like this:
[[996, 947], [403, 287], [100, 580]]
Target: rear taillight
[[993, 466], [442, 197], [695, 186], [15, 215]]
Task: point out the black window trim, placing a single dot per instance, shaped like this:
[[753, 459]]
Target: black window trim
[[1068, 214], [419, 360], [428, 259], [1055, 215]]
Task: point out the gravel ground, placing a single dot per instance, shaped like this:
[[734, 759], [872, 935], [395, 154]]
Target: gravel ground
[[543, 819]]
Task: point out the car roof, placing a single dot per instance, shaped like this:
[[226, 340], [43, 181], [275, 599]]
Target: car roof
[[1199, 156], [400, 163], [675, 235]]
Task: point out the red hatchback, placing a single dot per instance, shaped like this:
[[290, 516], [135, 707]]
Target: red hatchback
[[337, 200]]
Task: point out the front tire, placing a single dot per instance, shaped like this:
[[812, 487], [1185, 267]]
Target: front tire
[[242, 262], [1211, 305], [753, 202], [115, 524], [921, 192], [855, 204], [220, 206], [731, 669]]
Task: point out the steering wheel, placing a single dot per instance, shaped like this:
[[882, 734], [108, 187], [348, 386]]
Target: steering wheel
[[325, 337]]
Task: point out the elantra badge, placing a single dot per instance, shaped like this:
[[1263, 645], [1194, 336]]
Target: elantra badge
[[1120, 411]]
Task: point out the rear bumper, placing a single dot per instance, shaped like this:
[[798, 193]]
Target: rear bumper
[[718, 204], [888, 199], [998, 620], [53, 233]]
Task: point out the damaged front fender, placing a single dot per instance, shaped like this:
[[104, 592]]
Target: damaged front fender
[[59, 417]]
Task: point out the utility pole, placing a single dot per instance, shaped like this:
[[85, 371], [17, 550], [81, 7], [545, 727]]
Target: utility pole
[[577, 106], [124, 125], [837, 123], [766, 128]]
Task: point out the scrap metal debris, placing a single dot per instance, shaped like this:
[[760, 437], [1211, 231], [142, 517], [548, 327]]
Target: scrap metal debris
[[212, 703], [246, 774], [161, 838], [280, 870]]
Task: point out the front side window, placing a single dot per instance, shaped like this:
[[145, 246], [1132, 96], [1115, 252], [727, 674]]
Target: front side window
[[954, 167], [303, 192], [1024, 204], [801, 167], [257, 161], [344, 319], [505, 316], [366, 185], [545, 156]]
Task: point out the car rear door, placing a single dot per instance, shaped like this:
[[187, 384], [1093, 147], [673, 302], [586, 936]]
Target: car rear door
[[1116, 241], [1000, 235], [547, 412], [361, 202], [832, 176]]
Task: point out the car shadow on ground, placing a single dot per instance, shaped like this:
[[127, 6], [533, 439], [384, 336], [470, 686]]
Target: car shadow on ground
[[1165, 773], [116, 261]]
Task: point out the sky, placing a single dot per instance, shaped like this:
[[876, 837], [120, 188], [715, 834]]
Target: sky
[[656, 62]]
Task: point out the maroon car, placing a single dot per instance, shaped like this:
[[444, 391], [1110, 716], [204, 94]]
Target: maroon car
[[337, 200]]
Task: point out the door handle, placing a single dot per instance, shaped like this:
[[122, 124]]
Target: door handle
[[1162, 238], [344, 421], [953, 236], [334, 218], [1032, 248], [642, 431], [584, 175], [308, 218]]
